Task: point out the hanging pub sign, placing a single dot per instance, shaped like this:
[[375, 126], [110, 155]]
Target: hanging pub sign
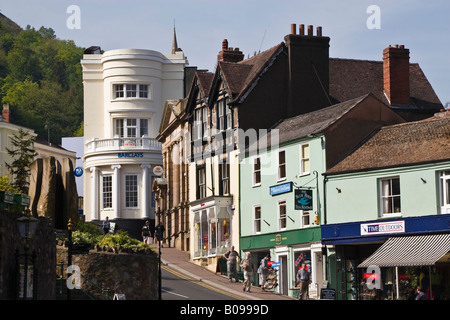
[[303, 199]]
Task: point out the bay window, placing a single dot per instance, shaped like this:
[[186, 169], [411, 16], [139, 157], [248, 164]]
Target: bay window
[[130, 91], [130, 127]]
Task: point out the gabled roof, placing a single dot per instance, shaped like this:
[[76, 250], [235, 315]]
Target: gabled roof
[[399, 145], [315, 122], [348, 79], [201, 84], [241, 76], [173, 110], [352, 78]]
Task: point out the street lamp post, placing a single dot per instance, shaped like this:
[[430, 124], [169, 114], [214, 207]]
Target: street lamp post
[[27, 226], [69, 253], [159, 237]]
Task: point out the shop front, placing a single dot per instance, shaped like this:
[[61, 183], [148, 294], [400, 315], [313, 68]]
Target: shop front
[[288, 250], [387, 260], [212, 228]]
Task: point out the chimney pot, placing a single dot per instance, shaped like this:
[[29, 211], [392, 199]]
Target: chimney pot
[[224, 44], [293, 28], [310, 30], [319, 31], [302, 29]]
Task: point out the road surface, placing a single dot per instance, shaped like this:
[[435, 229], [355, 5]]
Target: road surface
[[178, 286]]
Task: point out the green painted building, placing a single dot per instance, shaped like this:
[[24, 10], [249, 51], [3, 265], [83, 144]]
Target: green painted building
[[281, 187], [388, 206]]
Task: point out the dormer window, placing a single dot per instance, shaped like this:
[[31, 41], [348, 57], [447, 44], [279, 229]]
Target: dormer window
[[130, 91]]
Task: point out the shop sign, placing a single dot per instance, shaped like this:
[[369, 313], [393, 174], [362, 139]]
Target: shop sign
[[281, 188], [158, 171], [371, 276], [276, 264], [303, 199], [382, 227], [130, 155]]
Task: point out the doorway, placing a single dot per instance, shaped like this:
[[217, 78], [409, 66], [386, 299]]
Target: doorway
[[283, 276]]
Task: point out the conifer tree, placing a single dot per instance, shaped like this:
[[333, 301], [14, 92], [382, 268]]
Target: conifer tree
[[23, 154]]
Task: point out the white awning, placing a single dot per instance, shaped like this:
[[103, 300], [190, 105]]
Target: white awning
[[422, 250]]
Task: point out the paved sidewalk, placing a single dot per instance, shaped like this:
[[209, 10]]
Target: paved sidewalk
[[179, 260]]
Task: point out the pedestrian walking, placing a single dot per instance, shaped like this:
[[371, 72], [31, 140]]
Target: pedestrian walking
[[303, 279], [146, 233], [106, 225], [420, 294], [159, 231], [263, 271], [231, 257], [247, 265]]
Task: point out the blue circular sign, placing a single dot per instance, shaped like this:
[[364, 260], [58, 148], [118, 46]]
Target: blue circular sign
[[78, 171]]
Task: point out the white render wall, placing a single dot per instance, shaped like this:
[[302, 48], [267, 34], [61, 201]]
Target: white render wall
[[165, 76]]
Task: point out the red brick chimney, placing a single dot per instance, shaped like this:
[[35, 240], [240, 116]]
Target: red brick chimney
[[5, 112], [396, 74], [229, 54]]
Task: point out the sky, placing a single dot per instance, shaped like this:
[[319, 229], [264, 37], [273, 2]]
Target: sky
[[359, 29]]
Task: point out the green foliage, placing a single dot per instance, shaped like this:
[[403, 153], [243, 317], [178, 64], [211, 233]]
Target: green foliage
[[41, 80], [90, 233], [6, 185], [121, 240], [23, 154]]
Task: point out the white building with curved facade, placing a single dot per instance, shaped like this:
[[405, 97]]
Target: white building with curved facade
[[124, 95]]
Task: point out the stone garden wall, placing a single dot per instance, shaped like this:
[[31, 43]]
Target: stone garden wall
[[133, 274]]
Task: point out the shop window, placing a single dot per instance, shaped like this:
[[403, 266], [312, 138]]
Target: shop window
[[390, 196], [204, 233]]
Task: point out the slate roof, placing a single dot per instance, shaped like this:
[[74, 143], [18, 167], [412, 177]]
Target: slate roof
[[349, 79], [399, 145], [316, 121]]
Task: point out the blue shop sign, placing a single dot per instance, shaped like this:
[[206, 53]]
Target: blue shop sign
[[130, 155], [281, 188]]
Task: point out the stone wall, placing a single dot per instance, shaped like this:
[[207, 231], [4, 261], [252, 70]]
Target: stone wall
[[133, 274], [43, 244]]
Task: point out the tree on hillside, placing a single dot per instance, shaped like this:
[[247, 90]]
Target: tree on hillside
[[23, 154], [41, 80]]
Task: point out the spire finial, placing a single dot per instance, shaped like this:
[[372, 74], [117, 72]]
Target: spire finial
[[174, 40]]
